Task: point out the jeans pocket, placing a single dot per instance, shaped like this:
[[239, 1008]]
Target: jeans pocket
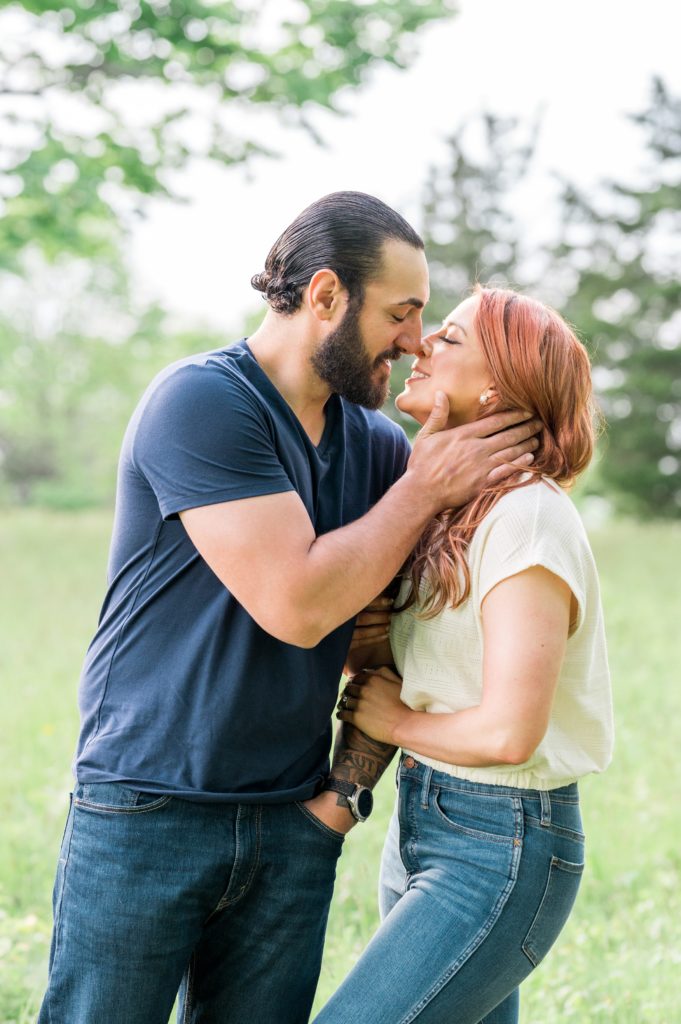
[[325, 830], [115, 798], [493, 819], [556, 903]]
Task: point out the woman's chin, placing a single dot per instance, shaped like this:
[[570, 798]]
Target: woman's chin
[[408, 407]]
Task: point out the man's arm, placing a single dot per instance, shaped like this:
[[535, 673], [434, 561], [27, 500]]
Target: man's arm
[[358, 759], [300, 587]]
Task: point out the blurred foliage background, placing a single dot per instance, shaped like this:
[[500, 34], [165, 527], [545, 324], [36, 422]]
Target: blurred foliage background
[[103, 106], [76, 350]]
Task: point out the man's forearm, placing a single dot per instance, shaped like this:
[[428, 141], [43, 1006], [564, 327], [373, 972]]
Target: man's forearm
[[349, 566], [359, 759]]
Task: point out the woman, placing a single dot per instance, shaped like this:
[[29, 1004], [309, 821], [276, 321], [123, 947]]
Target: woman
[[504, 701]]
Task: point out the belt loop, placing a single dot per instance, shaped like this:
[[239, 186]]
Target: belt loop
[[545, 800], [427, 776]]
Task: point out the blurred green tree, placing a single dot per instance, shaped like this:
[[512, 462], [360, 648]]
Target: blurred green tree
[[101, 101], [621, 247], [614, 273], [74, 362], [470, 226]]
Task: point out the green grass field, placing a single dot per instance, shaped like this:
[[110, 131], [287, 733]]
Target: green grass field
[[619, 959]]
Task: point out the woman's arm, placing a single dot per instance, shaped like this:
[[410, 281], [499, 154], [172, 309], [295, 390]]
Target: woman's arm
[[525, 622]]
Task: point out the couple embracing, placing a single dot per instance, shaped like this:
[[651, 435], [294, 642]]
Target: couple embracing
[[262, 505]]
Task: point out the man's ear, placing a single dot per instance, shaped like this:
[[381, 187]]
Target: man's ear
[[326, 296]]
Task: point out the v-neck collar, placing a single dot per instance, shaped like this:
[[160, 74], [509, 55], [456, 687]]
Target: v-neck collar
[[331, 407]]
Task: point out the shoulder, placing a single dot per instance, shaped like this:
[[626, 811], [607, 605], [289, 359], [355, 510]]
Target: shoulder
[[203, 402], [199, 386], [538, 508], [218, 370], [536, 521]]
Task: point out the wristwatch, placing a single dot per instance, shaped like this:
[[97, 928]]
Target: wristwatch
[[360, 799]]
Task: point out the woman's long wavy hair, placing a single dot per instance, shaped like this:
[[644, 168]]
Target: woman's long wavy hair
[[536, 363]]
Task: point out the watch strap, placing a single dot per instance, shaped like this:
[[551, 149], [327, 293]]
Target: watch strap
[[340, 786]]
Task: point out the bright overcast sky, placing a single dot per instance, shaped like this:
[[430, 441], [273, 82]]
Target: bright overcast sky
[[585, 63]]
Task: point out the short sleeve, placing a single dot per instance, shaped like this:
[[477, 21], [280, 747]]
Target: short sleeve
[[202, 437], [532, 526]]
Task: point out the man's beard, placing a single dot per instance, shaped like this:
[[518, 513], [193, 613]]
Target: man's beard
[[343, 363]]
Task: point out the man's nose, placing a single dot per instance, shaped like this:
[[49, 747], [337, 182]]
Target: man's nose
[[410, 338]]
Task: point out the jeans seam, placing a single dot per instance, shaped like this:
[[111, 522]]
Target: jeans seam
[[475, 942], [58, 908], [155, 805], [412, 798], [486, 928], [187, 1009], [226, 900], [562, 865], [560, 830]]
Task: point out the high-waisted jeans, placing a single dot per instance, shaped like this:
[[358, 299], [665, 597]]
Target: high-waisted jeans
[[476, 883]]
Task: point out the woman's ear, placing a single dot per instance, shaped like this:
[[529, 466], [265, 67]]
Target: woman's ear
[[489, 395]]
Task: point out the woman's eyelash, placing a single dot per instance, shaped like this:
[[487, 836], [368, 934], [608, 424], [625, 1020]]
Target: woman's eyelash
[[450, 341]]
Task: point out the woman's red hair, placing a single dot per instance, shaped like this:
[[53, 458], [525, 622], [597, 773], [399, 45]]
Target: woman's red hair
[[536, 363]]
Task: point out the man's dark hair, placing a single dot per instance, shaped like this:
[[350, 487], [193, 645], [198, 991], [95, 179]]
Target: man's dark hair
[[343, 231]]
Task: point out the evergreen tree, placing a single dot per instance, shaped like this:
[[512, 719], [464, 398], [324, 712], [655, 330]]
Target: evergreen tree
[[622, 248]]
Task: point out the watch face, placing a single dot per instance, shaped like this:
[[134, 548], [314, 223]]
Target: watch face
[[365, 802]]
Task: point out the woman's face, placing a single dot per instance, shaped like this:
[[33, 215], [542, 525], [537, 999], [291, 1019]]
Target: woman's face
[[450, 360]]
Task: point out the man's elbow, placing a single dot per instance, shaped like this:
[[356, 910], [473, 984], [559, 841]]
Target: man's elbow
[[298, 630]]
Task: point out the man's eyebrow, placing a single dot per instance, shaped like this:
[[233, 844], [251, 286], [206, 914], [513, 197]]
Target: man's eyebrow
[[419, 303], [453, 323]]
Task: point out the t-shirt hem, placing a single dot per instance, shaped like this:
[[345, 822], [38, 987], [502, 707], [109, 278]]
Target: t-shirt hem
[[283, 796]]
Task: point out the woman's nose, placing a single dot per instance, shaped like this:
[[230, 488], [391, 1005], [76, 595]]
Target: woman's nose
[[426, 347]]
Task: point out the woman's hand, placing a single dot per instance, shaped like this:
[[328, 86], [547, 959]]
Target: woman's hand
[[370, 644], [371, 702], [373, 623]]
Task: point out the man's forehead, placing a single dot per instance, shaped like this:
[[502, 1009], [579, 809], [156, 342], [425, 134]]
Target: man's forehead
[[404, 274]]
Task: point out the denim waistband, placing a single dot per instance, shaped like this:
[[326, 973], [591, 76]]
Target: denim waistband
[[430, 776]]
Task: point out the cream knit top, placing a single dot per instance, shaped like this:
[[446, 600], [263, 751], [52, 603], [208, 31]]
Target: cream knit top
[[440, 659]]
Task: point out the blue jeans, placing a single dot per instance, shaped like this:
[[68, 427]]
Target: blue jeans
[[476, 883], [227, 903]]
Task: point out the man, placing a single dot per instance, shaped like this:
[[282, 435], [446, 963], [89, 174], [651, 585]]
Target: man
[[261, 504]]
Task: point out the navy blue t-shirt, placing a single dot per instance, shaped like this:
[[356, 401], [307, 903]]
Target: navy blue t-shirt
[[182, 692]]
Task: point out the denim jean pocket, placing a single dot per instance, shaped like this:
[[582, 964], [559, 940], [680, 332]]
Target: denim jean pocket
[[115, 798], [494, 819], [325, 830], [556, 903]]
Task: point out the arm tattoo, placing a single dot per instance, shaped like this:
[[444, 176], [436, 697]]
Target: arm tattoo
[[359, 759]]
